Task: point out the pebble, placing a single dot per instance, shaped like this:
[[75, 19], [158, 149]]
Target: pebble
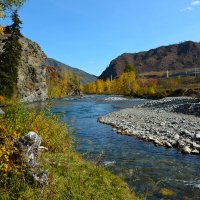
[[195, 152], [186, 150], [197, 135], [155, 122]]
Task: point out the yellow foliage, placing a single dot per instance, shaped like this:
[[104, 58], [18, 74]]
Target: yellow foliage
[[90, 88], [19, 121], [1, 99], [52, 131], [8, 151], [99, 86], [1, 29], [151, 90], [59, 82], [125, 84], [167, 192], [108, 86], [135, 87]]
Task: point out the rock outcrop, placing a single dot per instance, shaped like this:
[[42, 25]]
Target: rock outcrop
[[32, 84], [30, 147], [1, 112], [74, 91]]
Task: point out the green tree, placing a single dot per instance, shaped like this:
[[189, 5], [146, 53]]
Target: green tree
[[10, 58], [129, 68], [6, 5]]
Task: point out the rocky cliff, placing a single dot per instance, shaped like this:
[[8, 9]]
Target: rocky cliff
[[31, 83], [177, 58]]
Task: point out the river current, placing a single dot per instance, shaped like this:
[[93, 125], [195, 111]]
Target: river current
[[152, 172]]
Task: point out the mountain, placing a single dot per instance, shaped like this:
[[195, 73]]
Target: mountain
[[177, 58], [86, 77]]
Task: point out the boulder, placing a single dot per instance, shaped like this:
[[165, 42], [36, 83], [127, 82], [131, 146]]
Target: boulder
[[186, 132], [195, 152], [197, 135], [29, 145], [186, 150], [32, 84], [1, 112]]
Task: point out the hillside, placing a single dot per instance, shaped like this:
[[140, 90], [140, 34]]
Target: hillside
[[177, 58], [85, 77]]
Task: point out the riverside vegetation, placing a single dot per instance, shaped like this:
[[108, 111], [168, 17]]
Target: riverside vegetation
[[129, 83], [70, 177]]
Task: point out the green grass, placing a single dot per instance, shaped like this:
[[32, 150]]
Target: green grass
[[70, 176]]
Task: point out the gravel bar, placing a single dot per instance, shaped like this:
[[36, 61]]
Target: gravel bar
[[161, 122]]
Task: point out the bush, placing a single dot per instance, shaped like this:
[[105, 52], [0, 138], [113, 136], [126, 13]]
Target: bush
[[19, 121]]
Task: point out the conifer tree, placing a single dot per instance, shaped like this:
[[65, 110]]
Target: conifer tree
[[10, 58], [129, 68]]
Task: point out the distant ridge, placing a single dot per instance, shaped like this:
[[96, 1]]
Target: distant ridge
[[179, 57], [86, 77]]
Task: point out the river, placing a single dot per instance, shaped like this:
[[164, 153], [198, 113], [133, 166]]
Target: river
[[147, 169]]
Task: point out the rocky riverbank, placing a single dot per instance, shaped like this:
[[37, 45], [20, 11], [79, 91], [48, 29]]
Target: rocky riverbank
[[162, 122], [185, 105]]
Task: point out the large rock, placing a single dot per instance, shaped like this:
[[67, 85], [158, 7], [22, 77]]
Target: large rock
[[30, 147], [1, 112], [197, 135], [32, 84], [186, 150]]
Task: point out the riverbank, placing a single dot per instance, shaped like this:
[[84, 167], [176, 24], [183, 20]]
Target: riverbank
[[69, 175], [162, 122]]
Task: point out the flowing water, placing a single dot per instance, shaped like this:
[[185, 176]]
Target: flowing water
[[153, 172]]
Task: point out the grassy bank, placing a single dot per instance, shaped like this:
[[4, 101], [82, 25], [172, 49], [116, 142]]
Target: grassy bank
[[70, 177]]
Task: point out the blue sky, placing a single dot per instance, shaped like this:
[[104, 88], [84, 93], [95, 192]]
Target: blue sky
[[88, 34]]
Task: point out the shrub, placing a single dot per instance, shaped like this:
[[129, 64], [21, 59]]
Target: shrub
[[19, 121]]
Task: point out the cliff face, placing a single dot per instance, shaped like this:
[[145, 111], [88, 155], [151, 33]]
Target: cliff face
[[181, 56], [32, 84]]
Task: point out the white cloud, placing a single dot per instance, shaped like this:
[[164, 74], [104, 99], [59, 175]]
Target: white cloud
[[189, 8], [195, 3]]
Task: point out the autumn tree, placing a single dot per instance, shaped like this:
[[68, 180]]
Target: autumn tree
[[115, 89], [76, 80], [64, 84], [60, 82], [90, 88], [107, 88], [126, 83], [99, 86]]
